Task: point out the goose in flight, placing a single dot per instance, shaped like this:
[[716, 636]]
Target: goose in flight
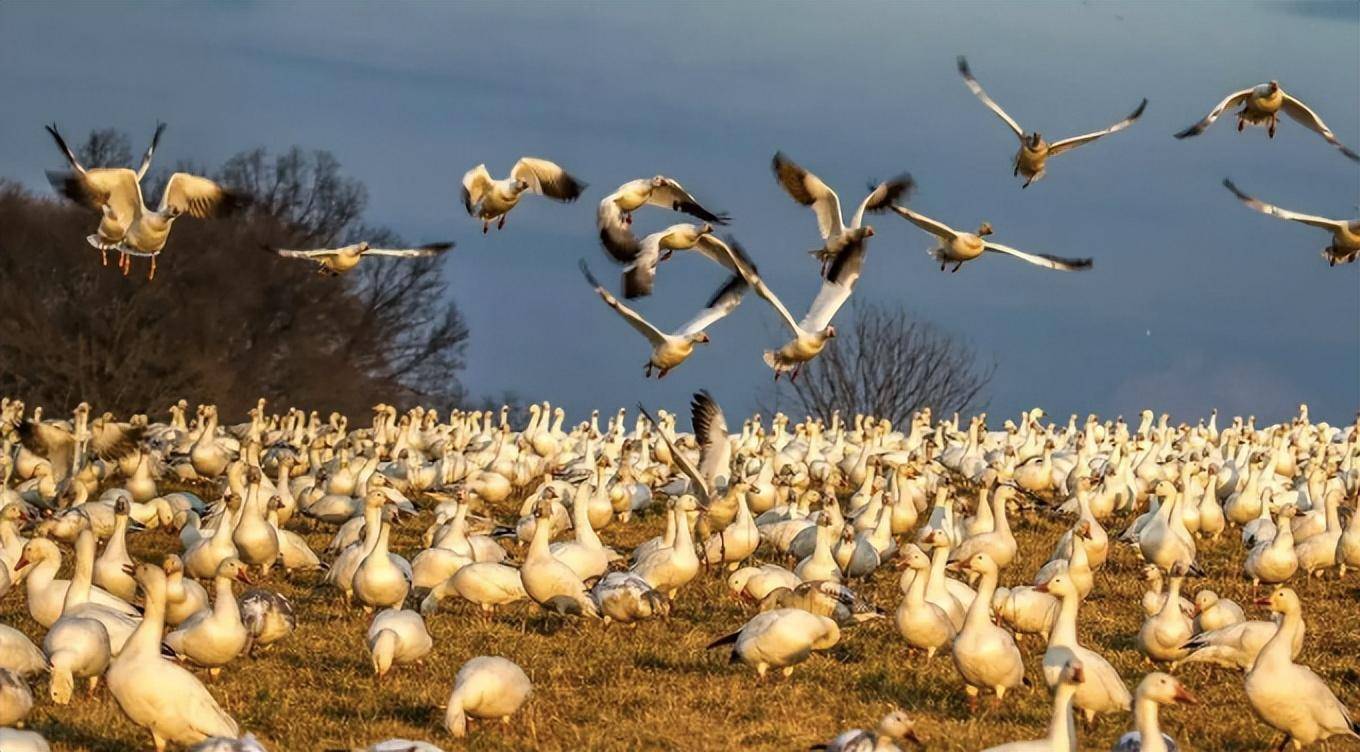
[[1261, 105], [958, 247], [639, 272], [670, 350], [809, 190], [1032, 158], [1345, 245], [615, 214], [709, 480], [117, 194], [811, 334], [489, 200], [336, 261]]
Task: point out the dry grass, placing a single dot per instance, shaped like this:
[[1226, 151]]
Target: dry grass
[[655, 687]]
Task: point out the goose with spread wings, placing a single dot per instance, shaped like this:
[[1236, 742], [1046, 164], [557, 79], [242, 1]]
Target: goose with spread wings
[[1032, 158], [489, 200], [809, 190], [954, 246], [614, 217], [670, 350], [811, 334], [1261, 105], [711, 477], [337, 261], [1345, 245], [107, 439], [639, 272], [128, 225]]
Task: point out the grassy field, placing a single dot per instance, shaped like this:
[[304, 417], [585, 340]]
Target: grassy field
[[655, 687]]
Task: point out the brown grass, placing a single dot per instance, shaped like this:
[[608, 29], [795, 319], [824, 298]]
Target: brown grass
[[655, 687]]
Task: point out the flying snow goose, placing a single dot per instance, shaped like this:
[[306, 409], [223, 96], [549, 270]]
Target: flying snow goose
[[670, 350], [641, 260], [486, 687], [809, 190], [958, 247], [614, 217], [1261, 105], [710, 477], [336, 261], [99, 188], [1031, 161], [812, 333], [489, 200], [1345, 245], [895, 727], [1156, 689]]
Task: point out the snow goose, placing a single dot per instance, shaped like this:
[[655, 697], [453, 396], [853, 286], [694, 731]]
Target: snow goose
[[1062, 729], [895, 727], [755, 582], [157, 693], [382, 578], [487, 584], [627, 598], [641, 261], [824, 598], [489, 200], [924, 625], [1345, 246], [586, 555], [108, 440], [268, 617], [1237, 645], [1318, 552], [957, 247], [1155, 689], [985, 654], [1104, 691], [78, 599], [780, 639], [1289, 696], [549, 582], [670, 350], [709, 480], [213, 638], [15, 740], [184, 597], [19, 654], [1163, 635], [1274, 561], [336, 261], [669, 568], [108, 568], [1348, 545], [247, 743], [1261, 105], [486, 687], [614, 217], [809, 190], [1032, 159], [1214, 612], [16, 699], [400, 745], [1025, 610], [397, 636]]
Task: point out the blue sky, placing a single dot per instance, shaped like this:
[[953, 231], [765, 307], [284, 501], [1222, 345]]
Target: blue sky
[[1195, 302]]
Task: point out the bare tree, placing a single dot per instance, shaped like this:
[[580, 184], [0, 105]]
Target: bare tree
[[889, 364], [106, 148]]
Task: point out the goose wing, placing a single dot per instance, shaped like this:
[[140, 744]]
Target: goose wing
[[429, 249], [644, 327], [112, 441], [199, 197], [547, 179], [737, 257], [713, 248], [938, 229], [1232, 100], [1275, 211], [696, 480], [476, 182], [976, 88], [1310, 120], [723, 302], [882, 196], [150, 150], [318, 253], [1041, 259], [671, 195], [1067, 144], [809, 190], [839, 282], [710, 430], [640, 275], [113, 187]]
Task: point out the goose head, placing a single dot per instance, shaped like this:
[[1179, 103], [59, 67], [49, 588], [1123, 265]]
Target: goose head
[[233, 568], [1280, 601], [1072, 672], [1059, 584], [1164, 689], [1204, 600], [699, 338], [36, 550], [1034, 140], [897, 725], [984, 229], [911, 556]]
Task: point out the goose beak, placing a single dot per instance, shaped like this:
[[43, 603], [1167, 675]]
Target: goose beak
[[1183, 696], [23, 562], [1262, 602], [1041, 587], [244, 576]]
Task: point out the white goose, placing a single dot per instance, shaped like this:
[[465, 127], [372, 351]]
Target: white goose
[[19, 654], [1155, 689], [670, 350], [1261, 105], [549, 582], [1345, 246], [184, 597], [487, 584], [78, 598], [895, 727], [627, 598], [1062, 728], [77, 646], [953, 246], [614, 217], [985, 654], [213, 638], [809, 190], [1032, 159], [337, 261], [382, 579], [16, 699], [486, 687], [395, 637], [1104, 691], [489, 200], [780, 639], [755, 582]]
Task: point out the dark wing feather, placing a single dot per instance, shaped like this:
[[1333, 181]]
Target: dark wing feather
[[790, 175]]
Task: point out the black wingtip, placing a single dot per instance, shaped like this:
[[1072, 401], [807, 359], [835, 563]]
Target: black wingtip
[[963, 66], [729, 639], [585, 269], [437, 247], [620, 244], [1188, 132], [1139, 112]]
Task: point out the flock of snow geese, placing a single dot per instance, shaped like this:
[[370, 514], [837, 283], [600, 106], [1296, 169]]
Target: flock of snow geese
[[797, 517]]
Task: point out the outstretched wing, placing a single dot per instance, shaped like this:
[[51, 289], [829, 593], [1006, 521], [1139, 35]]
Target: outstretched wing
[[723, 302], [1309, 119], [836, 287], [1233, 100], [713, 248], [809, 190], [1067, 144], [739, 261], [882, 196], [644, 327], [696, 484], [671, 195], [1275, 211], [547, 179], [938, 229], [976, 88], [429, 249], [199, 197], [150, 150], [312, 254], [476, 182], [710, 430], [1044, 260], [111, 441], [618, 240]]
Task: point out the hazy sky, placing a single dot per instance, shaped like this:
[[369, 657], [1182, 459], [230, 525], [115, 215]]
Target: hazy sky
[[1194, 302]]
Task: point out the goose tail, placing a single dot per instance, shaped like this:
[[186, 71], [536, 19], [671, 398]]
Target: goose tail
[[730, 639]]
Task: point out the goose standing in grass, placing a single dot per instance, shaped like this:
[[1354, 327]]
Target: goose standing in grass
[[1156, 689], [268, 617], [486, 687], [336, 261], [395, 637], [1032, 159], [953, 246], [895, 727], [1062, 727], [117, 194], [487, 584], [780, 639], [1104, 690], [213, 638], [1289, 696], [184, 597], [614, 217], [809, 190], [627, 598], [78, 599], [1345, 246], [489, 200], [1261, 105], [985, 654], [670, 350], [549, 582], [1163, 635], [76, 647]]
